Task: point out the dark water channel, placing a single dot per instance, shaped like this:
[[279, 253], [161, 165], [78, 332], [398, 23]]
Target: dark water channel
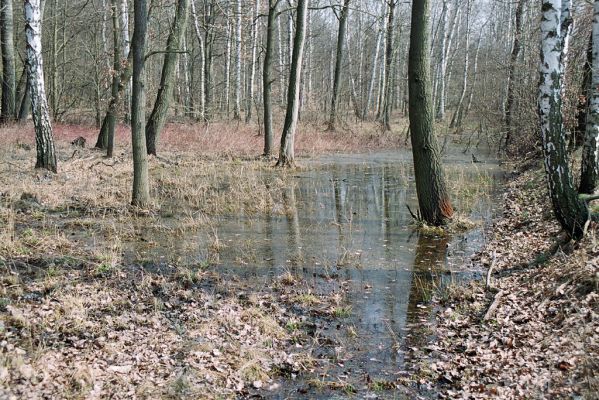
[[344, 225]]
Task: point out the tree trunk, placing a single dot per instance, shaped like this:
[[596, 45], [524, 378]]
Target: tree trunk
[[433, 198], [386, 114], [116, 66], [570, 211], [338, 63], [141, 186], [8, 102], [456, 120], [510, 107], [267, 78], [209, 19], [252, 72], [590, 151], [237, 105], [202, 59], [165, 92], [440, 99], [286, 152], [46, 155], [372, 75]]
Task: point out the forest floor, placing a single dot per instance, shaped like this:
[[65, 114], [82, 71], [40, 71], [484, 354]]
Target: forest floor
[[79, 321], [534, 331]]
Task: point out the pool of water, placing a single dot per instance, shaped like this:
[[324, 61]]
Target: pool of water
[[344, 226]]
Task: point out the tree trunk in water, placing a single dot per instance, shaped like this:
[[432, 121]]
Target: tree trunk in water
[[338, 63], [141, 186], [8, 103], [286, 152], [46, 155], [510, 107], [570, 211], [590, 151], [267, 78], [165, 92], [433, 198], [252, 72], [386, 114]]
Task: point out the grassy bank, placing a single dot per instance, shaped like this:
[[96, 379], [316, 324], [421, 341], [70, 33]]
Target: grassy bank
[[533, 331]]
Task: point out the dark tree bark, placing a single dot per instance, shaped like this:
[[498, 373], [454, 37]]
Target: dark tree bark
[[510, 107], [141, 187], [267, 78], [44, 139], [286, 151], [433, 199], [167, 78], [8, 103], [387, 100], [338, 63], [589, 171]]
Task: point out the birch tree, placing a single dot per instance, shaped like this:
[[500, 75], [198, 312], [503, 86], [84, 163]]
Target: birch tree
[[590, 151], [571, 212], [237, 88], [252, 67], [8, 102], [431, 187], [200, 40], [44, 139], [286, 151]]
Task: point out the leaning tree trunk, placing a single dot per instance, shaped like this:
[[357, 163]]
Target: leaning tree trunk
[[286, 151], [165, 92], [267, 77], [141, 186], [510, 106], [8, 111], [590, 151], [570, 211], [338, 63], [46, 155], [433, 199]]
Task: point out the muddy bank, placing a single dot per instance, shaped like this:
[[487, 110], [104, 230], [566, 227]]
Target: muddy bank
[[534, 333]]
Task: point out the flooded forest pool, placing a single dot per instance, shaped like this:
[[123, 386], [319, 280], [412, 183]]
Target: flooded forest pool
[[344, 227]]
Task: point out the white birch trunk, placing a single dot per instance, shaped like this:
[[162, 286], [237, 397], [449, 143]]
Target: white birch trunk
[[200, 39], [237, 106], [46, 155]]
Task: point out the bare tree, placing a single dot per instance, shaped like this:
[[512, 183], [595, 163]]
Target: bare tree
[[167, 78], [569, 209], [431, 186], [338, 63], [141, 185], [8, 102], [267, 78], [44, 139], [286, 151]]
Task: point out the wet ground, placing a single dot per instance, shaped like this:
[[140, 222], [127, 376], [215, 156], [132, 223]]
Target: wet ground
[[344, 227]]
